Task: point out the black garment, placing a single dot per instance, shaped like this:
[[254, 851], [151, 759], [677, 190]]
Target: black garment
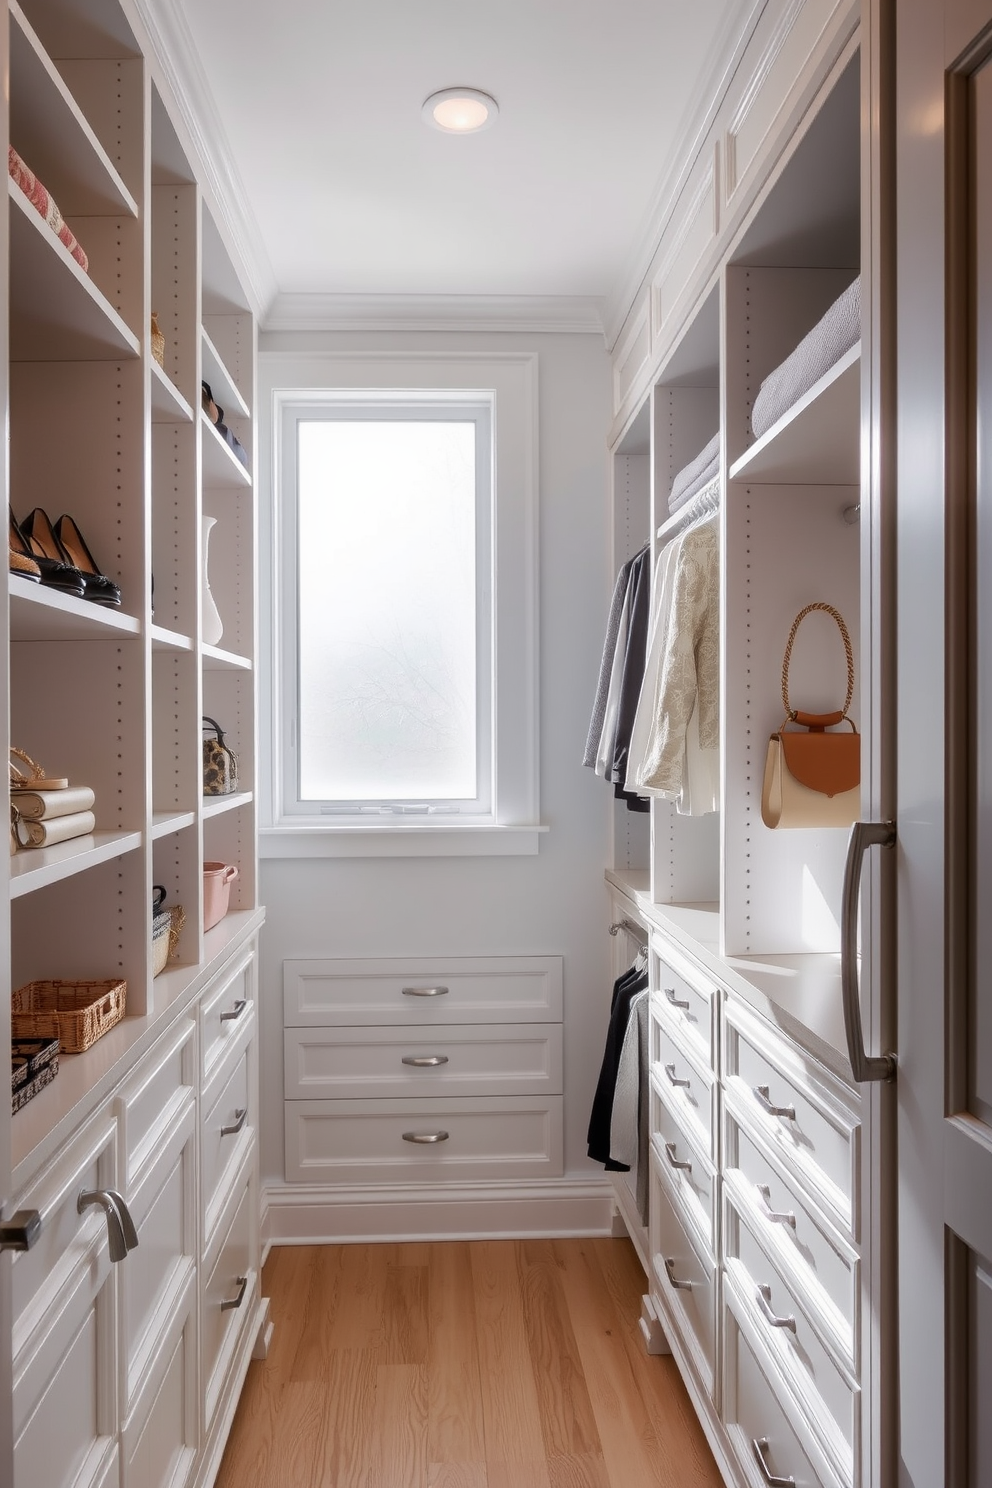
[[639, 588], [625, 989]]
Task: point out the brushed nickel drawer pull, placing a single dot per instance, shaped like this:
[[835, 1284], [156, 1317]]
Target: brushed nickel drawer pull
[[786, 1218], [229, 1303], [425, 1139], [235, 1013], [760, 1445], [764, 1295], [240, 1117], [680, 1286], [425, 1061], [673, 1078], [676, 1002], [425, 991], [673, 1161], [761, 1095]]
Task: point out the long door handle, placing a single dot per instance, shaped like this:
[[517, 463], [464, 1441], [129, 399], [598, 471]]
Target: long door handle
[[759, 1445], [864, 1066]]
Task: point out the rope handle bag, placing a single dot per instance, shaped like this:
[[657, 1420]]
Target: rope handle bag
[[813, 777]]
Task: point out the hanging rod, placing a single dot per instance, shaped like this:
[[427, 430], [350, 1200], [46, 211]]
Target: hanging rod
[[636, 932], [703, 504]]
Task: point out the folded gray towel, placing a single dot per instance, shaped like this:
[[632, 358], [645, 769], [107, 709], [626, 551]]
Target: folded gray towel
[[694, 476], [837, 332]]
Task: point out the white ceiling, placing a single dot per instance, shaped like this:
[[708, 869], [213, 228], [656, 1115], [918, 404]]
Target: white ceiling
[[319, 108]]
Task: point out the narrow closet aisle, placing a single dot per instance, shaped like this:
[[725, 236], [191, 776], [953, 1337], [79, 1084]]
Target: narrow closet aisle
[[484, 1364]]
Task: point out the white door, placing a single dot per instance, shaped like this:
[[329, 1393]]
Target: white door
[[944, 768]]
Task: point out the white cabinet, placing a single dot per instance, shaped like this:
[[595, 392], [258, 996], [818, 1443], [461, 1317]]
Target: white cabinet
[[423, 1071], [137, 1358]]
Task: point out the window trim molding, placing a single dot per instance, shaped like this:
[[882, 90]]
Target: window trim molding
[[288, 377]]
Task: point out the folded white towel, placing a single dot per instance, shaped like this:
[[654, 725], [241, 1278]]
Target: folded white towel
[[694, 476], [826, 343]]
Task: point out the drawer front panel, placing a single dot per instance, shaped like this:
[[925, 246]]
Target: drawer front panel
[[694, 1186], [353, 1062], [496, 989], [690, 1093], [777, 1093], [165, 1450], [226, 1129], [688, 1002], [356, 1142], [68, 1436], [828, 1264], [224, 1012], [758, 1422], [152, 1276], [829, 1400], [685, 1280], [151, 1098], [231, 1279]]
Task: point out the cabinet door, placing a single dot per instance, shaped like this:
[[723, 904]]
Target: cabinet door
[[944, 245]]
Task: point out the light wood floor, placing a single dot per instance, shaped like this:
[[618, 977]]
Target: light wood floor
[[489, 1364]]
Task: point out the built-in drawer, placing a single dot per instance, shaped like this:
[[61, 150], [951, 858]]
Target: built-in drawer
[[226, 1130], [160, 1440], [154, 1275], [686, 998], [64, 1336], [227, 1302], [683, 1277], [342, 1063], [151, 1098], [224, 1010], [770, 1442], [469, 989], [691, 1174], [825, 1265], [792, 1104], [685, 1086], [825, 1394], [390, 1141]]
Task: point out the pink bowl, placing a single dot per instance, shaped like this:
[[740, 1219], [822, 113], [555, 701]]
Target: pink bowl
[[217, 881]]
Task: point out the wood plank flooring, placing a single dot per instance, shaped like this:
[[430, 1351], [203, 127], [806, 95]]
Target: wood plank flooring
[[484, 1364]]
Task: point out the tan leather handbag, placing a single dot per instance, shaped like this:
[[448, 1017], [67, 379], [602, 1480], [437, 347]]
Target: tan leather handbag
[[813, 776]]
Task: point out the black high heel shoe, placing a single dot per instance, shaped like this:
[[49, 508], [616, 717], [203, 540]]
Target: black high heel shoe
[[98, 587], [56, 571]]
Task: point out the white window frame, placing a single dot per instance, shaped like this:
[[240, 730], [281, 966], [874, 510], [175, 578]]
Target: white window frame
[[289, 382]]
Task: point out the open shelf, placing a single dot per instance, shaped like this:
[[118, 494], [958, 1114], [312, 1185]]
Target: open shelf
[[56, 311], [37, 867], [221, 467], [216, 660], [170, 640], [164, 823], [225, 390], [817, 440], [217, 805], [168, 404], [52, 136], [38, 613]]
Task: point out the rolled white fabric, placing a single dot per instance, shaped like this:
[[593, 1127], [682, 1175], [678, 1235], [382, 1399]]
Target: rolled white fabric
[[826, 343], [42, 805], [694, 476], [59, 829]]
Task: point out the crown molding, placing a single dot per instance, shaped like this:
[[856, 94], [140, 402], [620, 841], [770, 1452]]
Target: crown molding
[[697, 122], [175, 52], [435, 312]]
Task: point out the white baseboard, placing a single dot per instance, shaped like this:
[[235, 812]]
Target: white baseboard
[[300, 1214]]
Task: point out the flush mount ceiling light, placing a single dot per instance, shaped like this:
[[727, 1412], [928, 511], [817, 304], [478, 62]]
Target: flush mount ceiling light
[[460, 110]]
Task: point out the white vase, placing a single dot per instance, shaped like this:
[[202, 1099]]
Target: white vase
[[211, 625]]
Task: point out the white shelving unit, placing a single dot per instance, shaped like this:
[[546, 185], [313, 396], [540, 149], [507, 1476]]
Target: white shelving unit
[[114, 699]]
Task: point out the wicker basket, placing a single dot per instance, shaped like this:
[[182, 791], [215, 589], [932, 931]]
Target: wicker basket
[[166, 929], [34, 1064], [84, 1011]]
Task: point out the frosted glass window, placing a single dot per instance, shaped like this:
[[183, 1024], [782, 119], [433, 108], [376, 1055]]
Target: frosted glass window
[[393, 596]]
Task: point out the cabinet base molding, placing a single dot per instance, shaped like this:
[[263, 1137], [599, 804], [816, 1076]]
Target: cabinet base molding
[[296, 1214]]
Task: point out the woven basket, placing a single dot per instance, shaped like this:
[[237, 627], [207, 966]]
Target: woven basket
[[84, 1011], [158, 342], [166, 929]]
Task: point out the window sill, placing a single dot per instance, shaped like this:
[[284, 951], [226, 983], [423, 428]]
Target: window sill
[[413, 840]]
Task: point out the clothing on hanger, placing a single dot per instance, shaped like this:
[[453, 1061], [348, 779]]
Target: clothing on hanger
[[625, 989], [629, 1135], [675, 738], [618, 685]]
